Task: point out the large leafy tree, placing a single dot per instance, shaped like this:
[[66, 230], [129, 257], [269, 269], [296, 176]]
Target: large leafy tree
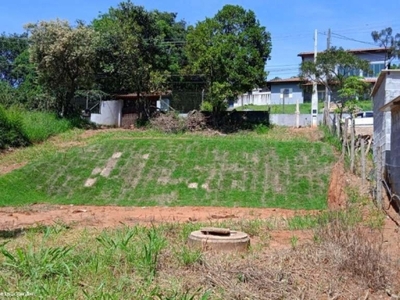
[[11, 47], [63, 55], [231, 50], [387, 40], [18, 77], [138, 49]]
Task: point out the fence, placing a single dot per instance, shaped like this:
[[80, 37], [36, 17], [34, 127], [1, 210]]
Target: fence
[[237, 119]]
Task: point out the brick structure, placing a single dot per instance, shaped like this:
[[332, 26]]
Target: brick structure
[[385, 90]]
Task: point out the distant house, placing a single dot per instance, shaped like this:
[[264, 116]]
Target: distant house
[[386, 93], [302, 91]]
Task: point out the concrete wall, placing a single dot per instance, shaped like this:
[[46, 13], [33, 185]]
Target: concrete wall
[[387, 88], [297, 93], [290, 119], [110, 113], [394, 164], [255, 98]]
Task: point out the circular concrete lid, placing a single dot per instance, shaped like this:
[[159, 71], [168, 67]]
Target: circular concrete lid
[[220, 239]]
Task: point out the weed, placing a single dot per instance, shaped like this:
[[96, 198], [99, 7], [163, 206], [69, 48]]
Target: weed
[[261, 129], [355, 252], [188, 256], [151, 250], [294, 240], [45, 263], [121, 240]]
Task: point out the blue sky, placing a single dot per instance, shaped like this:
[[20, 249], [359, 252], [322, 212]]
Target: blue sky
[[290, 22]]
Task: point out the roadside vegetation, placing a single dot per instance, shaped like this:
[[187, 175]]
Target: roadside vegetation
[[19, 127]]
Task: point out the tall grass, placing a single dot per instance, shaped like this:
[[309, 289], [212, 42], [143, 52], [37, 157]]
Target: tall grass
[[20, 127], [39, 126]]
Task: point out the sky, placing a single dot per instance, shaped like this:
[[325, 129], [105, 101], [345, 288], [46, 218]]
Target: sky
[[292, 23]]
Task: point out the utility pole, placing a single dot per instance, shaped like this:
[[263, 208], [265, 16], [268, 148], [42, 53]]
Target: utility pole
[[327, 93], [314, 98]]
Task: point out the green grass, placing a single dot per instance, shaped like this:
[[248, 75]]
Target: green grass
[[20, 127], [305, 108], [39, 126], [113, 264], [240, 170]]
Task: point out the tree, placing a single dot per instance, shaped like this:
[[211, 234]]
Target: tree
[[11, 47], [331, 69], [231, 50], [353, 89], [385, 39], [63, 56], [138, 49]]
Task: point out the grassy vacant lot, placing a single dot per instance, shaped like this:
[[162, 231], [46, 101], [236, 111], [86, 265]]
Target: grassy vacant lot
[[305, 108], [272, 170]]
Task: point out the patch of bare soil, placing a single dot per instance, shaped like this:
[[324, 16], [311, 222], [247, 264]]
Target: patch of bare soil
[[113, 216], [337, 197], [310, 133], [9, 168]]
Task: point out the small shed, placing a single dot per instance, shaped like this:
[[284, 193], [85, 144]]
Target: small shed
[[140, 107]]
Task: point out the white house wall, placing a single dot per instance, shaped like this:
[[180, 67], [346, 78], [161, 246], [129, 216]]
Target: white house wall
[[110, 113], [297, 93], [255, 98]]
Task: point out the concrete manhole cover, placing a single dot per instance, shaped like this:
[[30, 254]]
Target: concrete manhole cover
[[219, 239]]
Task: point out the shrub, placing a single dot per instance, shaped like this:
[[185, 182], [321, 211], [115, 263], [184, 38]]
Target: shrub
[[39, 126], [11, 129], [206, 106]]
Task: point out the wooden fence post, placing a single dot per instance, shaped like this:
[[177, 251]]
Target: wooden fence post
[[346, 127], [363, 161], [352, 146], [378, 173]]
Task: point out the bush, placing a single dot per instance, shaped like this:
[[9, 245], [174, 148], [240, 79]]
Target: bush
[[11, 129], [19, 128], [169, 122], [39, 126], [206, 106]]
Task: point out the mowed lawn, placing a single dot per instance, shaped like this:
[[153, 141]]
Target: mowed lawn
[[183, 170]]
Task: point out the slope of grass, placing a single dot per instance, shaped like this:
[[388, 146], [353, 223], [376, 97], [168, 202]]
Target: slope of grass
[[239, 170]]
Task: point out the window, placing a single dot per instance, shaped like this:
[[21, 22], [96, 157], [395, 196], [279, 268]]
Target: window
[[376, 69], [346, 71]]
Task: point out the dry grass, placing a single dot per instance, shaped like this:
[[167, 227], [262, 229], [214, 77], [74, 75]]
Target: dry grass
[[343, 262]]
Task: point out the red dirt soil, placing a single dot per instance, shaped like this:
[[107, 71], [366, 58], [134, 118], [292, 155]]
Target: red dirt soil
[[113, 216]]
